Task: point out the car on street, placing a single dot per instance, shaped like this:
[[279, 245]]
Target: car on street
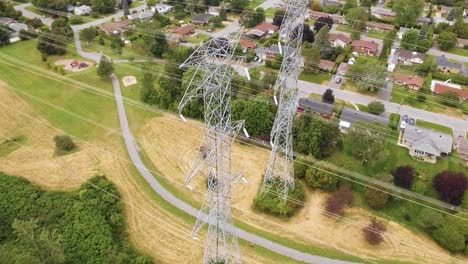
[[411, 121], [405, 118], [338, 80]]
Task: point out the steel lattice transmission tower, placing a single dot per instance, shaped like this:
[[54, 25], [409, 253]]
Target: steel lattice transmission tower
[[211, 82], [280, 165]]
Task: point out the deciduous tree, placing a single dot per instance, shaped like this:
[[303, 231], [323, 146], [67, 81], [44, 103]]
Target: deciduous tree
[[323, 21], [328, 96], [450, 186], [106, 67], [447, 40], [376, 108], [403, 176], [374, 232], [407, 11]]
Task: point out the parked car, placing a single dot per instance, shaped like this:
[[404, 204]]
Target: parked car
[[405, 118], [209, 30], [338, 80], [412, 122]]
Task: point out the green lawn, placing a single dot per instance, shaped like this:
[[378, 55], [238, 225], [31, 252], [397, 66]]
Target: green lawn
[[402, 95], [376, 34], [44, 88], [10, 145], [315, 77], [198, 38], [459, 51], [254, 3], [344, 29], [270, 12], [435, 127]]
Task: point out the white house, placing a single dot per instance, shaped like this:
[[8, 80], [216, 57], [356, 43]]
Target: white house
[[82, 10], [162, 8]]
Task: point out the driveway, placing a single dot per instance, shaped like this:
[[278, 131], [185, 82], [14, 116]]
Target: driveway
[[333, 83], [385, 93], [26, 13], [271, 4]]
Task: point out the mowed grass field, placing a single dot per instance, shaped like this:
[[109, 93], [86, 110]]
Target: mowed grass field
[[22, 69], [50, 94]]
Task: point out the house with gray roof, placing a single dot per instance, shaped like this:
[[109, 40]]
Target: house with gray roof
[[4, 21], [426, 144], [315, 106], [202, 19], [350, 116], [143, 15], [450, 67], [17, 27], [330, 3]]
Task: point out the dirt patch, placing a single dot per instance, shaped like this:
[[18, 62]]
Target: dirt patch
[[74, 65], [153, 229], [171, 145], [129, 81]]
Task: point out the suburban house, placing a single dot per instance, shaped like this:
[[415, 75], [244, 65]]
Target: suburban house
[[14, 26], [83, 10], [448, 67], [162, 8], [115, 28], [143, 15], [462, 148], [461, 43], [383, 13], [316, 14], [338, 19], [326, 65], [263, 29], [438, 87], [247, 44], [365, 47], [269, 53], [343, 69], [381, 27], [184, 31], [202, 19], [214, 10], [408, 57], [315, 106], [336, 3], [350, 116], [412, 82], [426, 144], [339, 40], [445, 9]]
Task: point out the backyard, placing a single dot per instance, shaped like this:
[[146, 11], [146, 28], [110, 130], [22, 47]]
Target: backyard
[[318, 77]]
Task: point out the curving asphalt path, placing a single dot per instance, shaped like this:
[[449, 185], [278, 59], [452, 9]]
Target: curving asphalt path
[[132, 150]]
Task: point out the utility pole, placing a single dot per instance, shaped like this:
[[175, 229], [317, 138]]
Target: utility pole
[[280, 165], [211, 82]]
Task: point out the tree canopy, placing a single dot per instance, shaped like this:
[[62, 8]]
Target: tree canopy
[[407, 11], [258, 114]]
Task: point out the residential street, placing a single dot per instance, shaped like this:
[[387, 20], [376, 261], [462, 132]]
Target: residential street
[[436, 52], [26, 13], [270, 4]]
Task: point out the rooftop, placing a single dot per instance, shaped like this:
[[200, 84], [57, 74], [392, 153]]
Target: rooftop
[[326, 64], [383, 26], [342, 37], [244, 43], [184, 30], [366, 44], [409, 54], [203, 18], [351, 116], [429, 141], [316, 106], [409, 79]]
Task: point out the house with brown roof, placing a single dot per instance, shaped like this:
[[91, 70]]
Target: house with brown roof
[[381, 27], [263, 29], [462, 148], [247, 44], [413, 82], [365, 47], [338, 19], [326, 65], [462, 42], [339, 40], [408, 57], [184, 31], [316, 14], [438, 88], [115, 28]]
